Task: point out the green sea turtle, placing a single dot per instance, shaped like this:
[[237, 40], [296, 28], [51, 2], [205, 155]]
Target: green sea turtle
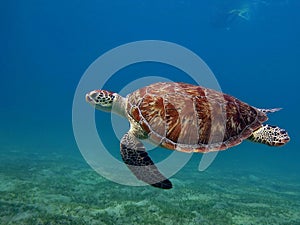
[[183, 117]]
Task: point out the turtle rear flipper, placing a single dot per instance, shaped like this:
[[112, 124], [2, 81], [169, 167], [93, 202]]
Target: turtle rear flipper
[[270, 135], [138, 161]]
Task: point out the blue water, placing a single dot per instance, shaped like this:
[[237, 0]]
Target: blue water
[[46, 46]]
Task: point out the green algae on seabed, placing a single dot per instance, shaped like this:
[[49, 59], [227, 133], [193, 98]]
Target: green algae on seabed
[[57, 189]]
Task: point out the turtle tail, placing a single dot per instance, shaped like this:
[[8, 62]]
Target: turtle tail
[[266, 111], [270, 135]]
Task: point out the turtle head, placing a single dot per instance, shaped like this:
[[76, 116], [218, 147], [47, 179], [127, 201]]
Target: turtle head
[[101, 99]]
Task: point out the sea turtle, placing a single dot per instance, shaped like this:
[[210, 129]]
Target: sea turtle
[[183, 117]]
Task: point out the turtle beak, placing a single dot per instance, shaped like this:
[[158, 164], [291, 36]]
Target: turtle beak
[[89, 99]]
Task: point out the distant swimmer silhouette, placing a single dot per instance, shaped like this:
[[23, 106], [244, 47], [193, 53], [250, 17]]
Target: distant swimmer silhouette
[[227, 18], [242, 13]]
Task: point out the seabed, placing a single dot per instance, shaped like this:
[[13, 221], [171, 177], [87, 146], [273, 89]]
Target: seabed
[[58, 189]]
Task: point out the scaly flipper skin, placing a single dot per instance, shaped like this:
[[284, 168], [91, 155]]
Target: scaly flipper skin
[[136, 158], [270, 135]]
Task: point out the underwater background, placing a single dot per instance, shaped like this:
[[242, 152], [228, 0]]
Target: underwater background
[[252, 47]]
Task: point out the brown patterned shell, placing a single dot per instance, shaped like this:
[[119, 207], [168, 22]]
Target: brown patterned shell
[[190, 118]]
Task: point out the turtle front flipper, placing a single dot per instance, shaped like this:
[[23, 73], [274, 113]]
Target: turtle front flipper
[[138, 161], [270, 135]]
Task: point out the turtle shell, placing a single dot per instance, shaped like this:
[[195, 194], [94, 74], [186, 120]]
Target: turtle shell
[[191, 118]]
